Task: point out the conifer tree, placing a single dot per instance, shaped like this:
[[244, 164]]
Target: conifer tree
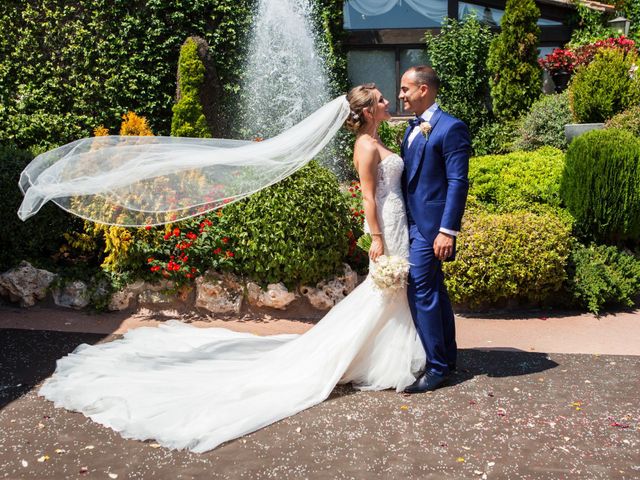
[[516, 77], [188, 114]]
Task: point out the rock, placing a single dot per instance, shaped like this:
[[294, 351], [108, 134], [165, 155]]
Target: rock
[[330, 292], [26, 284], [317, 298], [72, 295], [276, 295], [154, 297], [219, 293], [126, 298]]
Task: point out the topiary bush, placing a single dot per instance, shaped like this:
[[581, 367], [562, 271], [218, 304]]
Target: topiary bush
[[628, 120], [509, 256], [459, 55], [544, 124], [602, 275], [40, 237], [518, 181], [516, 77], [600, 185], [188, 114], [295, 231], [605, 87]]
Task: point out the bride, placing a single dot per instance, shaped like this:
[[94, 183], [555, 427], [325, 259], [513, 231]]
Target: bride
[[191, 388]]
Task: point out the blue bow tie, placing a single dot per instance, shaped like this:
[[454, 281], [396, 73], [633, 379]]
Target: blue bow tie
[[414, 122]]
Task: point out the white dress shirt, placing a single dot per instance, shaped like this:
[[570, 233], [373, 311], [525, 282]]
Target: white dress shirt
[[426, 116]]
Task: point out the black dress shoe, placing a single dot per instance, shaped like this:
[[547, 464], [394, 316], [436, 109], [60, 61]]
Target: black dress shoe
[[452, 368], [426, 383]]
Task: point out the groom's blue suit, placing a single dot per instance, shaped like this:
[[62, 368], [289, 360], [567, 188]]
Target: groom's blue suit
[[435, 185]]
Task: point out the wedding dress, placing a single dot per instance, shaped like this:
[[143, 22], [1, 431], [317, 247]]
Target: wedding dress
[[195, 388]]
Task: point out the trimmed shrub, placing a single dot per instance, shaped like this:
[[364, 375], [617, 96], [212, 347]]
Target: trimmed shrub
[[295, 231], [544, 124], [605, 87], [628, 120], [518, 181], [188, 114], [516, 77], [459, 55], [506, 257], [40, 237], [600, 185], [603, 275], [494, 138]]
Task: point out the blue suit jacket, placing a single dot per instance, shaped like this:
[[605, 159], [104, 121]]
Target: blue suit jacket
[[435, 182]]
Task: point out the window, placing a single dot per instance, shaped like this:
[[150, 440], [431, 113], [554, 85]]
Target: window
[[383, 67], [381, 14]]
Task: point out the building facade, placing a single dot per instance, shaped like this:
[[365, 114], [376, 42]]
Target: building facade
[[385, 37]]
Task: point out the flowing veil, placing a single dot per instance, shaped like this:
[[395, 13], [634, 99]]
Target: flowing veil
[[138, 181]]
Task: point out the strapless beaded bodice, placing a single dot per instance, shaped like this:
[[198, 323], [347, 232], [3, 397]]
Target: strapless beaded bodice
[[392, 215]]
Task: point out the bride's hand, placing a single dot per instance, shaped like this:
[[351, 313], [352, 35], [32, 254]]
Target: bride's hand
[[376, 249]]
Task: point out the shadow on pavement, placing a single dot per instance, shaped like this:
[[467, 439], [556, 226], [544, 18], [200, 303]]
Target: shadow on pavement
[[499, 363], [29, 356]]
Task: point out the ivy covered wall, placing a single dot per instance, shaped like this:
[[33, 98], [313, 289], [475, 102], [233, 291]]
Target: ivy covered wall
[[67, 66]]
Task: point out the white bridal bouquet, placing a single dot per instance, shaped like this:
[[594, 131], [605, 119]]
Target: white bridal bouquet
[[390, 272]]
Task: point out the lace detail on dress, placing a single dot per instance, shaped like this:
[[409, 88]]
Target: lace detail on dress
[[390, 207]]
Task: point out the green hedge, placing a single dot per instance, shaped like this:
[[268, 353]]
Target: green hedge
[[605, 87], [544, 124], [601, 185], [296, 231], [505, 257], [494, 138], [603, 275], [518, 181], [459, 55], [37, 239], [66, 67]]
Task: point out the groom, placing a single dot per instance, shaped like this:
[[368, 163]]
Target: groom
[[435, 182]]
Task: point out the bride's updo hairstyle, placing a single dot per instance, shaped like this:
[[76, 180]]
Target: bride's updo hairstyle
[[359, 98]]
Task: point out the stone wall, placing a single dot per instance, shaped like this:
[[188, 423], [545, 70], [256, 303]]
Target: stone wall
[[218, 294]]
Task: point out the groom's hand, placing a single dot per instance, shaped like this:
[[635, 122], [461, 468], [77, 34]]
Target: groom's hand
[[443, 246]]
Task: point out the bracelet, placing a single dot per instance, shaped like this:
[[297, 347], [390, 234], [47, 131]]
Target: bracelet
[[376, 234]]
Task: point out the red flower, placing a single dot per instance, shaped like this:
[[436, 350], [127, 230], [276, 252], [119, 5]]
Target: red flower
[[188, 275], [176, 232], [558, 60], [217, 251], [148, 227], [353, 195], [150, 259], [191, 236], [230, 254], [155, 268], [167, 236], [225, 240]]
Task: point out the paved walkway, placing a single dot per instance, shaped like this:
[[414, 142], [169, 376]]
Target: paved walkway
[[517, 408], [557, 332]]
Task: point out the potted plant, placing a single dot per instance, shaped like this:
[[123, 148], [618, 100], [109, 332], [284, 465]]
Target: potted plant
[[560, 64]]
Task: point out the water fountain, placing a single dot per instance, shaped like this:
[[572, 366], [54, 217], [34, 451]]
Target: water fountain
[[285, 76]]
